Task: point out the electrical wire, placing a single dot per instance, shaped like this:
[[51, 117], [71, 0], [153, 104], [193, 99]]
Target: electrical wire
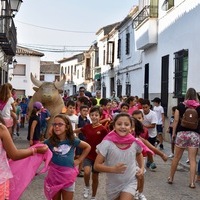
[[54, 29]]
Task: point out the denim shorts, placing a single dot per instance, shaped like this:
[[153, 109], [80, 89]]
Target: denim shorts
[[71, 188], [159, 128], [89, 163], [186, 139]]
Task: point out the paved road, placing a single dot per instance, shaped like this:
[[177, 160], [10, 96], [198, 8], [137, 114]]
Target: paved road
[[156, 187]]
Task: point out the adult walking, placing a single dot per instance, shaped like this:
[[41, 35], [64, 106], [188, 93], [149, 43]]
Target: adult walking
[[186, 137]]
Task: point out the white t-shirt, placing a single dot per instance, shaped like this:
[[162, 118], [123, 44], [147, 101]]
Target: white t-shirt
[[159, 111], [74, 120], [6, 110], [151, 118]]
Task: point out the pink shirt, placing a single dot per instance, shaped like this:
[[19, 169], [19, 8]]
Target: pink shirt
[[131, 109]]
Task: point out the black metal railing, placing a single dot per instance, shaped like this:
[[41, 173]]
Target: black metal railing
[[142, 15], [8, 35]]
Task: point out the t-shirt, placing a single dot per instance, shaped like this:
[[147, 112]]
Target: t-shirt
[[23, 107], [36, 134], [43, 115], [63, 155], [113, 155], [151, 118], [5, 112], [93, 136], [159, 111], [181, 108], [74, 120]]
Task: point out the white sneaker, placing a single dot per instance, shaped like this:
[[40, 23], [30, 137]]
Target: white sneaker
[[141, 196], [86, 192], [93, 198], [136, 197], [171, 155]]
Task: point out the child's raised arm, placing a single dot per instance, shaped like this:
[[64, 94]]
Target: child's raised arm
[[12, 151]]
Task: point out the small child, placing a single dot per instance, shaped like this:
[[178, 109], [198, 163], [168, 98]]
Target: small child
[[18, 115], [60, 181], [7, 148], [44, 117], [106, 116], [141, 133], [170, 131], [94, 134], [71, 106], [118, 155], [82, 121], [34, 124]]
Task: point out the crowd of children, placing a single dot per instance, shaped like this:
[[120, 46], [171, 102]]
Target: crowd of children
[[93, 135]]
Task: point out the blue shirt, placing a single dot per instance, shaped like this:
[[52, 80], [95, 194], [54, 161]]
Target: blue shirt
[[63, 155]]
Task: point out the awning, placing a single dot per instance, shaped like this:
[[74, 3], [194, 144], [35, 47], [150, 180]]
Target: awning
[[97, 76]]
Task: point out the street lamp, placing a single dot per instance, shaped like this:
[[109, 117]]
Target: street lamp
[[15, 5]]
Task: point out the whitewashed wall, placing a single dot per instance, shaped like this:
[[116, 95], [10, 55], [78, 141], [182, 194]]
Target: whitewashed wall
[[24, 82]]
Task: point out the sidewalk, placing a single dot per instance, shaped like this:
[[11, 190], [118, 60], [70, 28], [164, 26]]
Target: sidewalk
[[21, 142]]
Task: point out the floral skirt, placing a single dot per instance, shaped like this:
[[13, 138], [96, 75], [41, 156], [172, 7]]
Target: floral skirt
[[4, 190], [186, 139]]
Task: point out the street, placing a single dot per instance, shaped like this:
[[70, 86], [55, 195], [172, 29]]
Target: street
[[156, 186]]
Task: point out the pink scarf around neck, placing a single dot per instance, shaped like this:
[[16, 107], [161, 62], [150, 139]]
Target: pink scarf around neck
[[128, 139]]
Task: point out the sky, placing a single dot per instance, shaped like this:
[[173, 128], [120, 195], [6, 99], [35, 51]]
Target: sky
[[57, 25]]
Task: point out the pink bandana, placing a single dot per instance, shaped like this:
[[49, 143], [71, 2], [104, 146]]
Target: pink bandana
[[2, 104], [128, 139]]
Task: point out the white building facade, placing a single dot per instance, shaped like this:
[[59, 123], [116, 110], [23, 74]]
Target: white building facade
[[28, 61]]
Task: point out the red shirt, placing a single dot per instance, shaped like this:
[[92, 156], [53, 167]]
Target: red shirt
[[94, 136]]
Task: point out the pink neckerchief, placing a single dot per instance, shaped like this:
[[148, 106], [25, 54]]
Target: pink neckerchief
[[128, 139], [191, 103], [2, 104]]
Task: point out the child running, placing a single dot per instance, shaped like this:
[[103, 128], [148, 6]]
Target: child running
[[60, 181], [117, 155], [94, 134]]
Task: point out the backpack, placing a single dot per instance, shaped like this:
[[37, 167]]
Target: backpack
[[190, 119]]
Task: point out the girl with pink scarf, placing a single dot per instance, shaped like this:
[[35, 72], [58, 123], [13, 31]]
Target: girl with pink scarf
[[63, 169], [120, 156]]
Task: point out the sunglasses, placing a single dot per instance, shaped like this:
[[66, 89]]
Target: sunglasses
[[82, 90], [58, 124]]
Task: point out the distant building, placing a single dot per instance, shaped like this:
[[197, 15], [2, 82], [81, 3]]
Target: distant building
[[28, 61]]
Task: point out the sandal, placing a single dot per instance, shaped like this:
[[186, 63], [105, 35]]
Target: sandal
[[192, 185], [169, 180]]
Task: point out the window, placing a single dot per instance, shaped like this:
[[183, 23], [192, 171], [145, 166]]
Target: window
[[57, 77], [167, 4], [78, 74], [68, 70], [72, 72], [154, 8], [119, 49], [127, 43], [19, 70], [104, 57], [74, 69], [62, 71], [41, 77], [181, 72], [110, 53]]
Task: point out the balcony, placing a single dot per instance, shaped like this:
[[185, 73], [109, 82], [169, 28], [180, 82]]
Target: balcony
[[146, 28], [8, 35]]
